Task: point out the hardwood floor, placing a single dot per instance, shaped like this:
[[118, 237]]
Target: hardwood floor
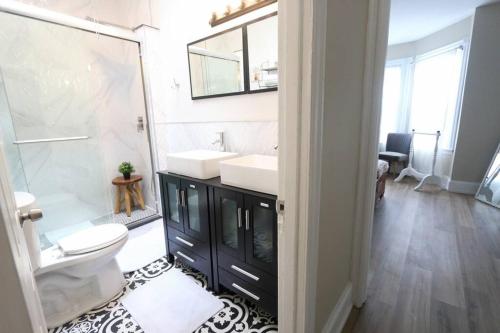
[[435, 264]]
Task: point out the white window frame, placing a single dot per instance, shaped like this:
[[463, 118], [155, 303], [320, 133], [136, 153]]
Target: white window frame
[[408, 71], [465, 46]]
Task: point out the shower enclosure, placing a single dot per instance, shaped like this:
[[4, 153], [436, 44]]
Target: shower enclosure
[[71, 104]]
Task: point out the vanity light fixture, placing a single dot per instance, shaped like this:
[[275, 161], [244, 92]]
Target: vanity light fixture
[[232, 12]]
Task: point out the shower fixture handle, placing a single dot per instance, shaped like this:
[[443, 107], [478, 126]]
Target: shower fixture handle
[[33, 215]]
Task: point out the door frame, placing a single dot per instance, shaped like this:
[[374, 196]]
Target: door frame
[[375, 59], [302, 46]]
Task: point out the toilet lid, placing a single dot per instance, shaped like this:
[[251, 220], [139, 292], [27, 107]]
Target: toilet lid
[[92, 239]]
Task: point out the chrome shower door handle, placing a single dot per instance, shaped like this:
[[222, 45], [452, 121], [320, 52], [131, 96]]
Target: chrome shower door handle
[[239, 218]]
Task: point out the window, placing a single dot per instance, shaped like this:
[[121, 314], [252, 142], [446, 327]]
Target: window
[[436, 84], [423, 94], [391, 101]]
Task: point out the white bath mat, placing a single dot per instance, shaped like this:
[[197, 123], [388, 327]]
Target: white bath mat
[[145, 244], [172, 303]]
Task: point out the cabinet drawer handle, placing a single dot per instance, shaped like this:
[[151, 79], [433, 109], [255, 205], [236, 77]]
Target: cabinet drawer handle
[[263, 204], [192, 186], [247, 219], [184, 241], [250, 275], [239, 218], [185, 256], [183, 199], [243, 290]]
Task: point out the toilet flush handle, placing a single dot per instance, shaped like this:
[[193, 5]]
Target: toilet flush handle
[[33, 215]]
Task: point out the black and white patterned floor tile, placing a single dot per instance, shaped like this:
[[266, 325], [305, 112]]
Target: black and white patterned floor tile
[[238, 315]]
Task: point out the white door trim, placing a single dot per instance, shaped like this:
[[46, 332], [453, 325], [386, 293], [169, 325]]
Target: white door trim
[[375, 58], [288, 137], [302, 31]]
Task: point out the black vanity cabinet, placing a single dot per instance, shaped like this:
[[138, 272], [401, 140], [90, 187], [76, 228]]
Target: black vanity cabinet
[[227, 233], [187, 225], [246, 228]]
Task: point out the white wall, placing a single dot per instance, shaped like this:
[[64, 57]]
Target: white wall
[[340, 155], [479, 132], [449, 35], [180, 25]]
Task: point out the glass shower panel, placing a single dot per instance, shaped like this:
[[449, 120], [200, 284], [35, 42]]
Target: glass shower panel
[[7, 136], [75, 100], [50, 86], [119, 104]]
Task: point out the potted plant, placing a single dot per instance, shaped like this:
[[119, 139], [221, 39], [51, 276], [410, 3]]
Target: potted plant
[[126, 168]]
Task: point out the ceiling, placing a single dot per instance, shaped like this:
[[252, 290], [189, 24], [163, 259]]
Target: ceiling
[[414, 19]]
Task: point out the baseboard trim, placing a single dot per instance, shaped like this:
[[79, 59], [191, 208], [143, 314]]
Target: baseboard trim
[[445, 182], [338, 317], [463, 187]]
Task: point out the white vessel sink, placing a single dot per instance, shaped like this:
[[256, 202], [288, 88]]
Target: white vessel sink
[[253, 172], [202, 164]]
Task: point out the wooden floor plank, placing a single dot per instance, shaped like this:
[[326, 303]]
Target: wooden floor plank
[[412, 311], [435, 264], [447, 318], [447, 284]]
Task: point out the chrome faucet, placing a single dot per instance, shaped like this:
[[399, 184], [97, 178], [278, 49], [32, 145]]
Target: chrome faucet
[[220, 140]]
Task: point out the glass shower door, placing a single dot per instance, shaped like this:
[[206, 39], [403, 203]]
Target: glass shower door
[[49, 85], [7, 136], [75, 98]]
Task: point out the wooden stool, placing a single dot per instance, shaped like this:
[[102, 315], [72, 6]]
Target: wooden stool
[[132, 192]]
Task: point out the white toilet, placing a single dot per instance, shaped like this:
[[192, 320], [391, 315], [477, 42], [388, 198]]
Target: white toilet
[[80, 272]]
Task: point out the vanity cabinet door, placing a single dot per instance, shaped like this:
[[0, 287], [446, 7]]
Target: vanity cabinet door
[[172, 202], [261, 233], [194, 201], [229, 223]]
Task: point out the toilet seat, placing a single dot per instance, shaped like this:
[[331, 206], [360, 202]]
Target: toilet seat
[[54, 258], [92, 239]]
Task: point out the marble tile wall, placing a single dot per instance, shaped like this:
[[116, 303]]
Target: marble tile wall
[[240, 137]]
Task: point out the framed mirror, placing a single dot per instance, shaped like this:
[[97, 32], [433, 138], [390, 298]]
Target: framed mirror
[[240, 60], [489, 191], [216, 65], [262, 39]]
